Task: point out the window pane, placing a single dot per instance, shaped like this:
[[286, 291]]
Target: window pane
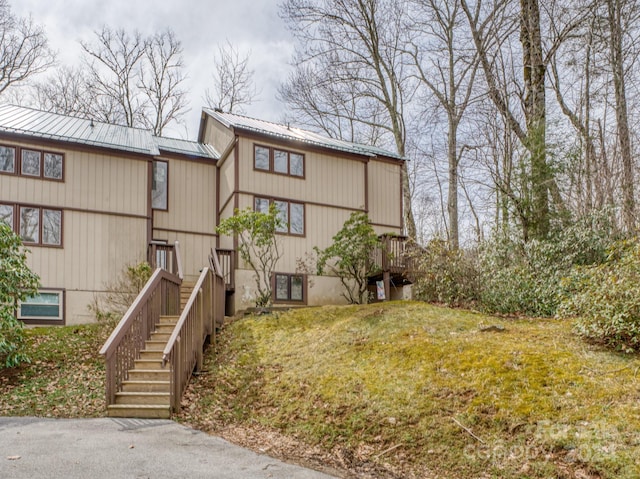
[[297, 219], [283, 216], [296, 164], [7, 159], [6, 214], [30, 163], [262, 158], [41, 305], [280, 161], [282, 287], [52, 227], [53, 166], [262, 205], [296, 288], [30, 224], [160, 185]]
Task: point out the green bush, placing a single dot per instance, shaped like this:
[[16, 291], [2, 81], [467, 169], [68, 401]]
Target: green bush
[[519, 277], [446, 276], [605, 298], [17, 282]]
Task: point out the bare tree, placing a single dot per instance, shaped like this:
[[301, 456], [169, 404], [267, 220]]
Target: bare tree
[[113, 63], [447, 67], [24, 50], [161, 81], [233, 85], [65, 92], [358, 46], [617, 58]]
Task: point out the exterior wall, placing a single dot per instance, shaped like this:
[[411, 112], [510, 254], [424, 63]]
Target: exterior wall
[[385, 195], [191, 215], [103, 199]]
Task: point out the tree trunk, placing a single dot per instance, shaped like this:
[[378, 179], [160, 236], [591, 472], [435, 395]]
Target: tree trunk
[[622, 119], [535, 112]]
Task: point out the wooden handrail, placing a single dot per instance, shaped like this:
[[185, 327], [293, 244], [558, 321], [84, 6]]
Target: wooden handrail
[[201, 315], [178, 259], [160, 296]]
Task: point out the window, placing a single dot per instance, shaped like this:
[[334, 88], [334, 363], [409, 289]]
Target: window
[[32, 163], [53, 166], [262, 158], [160, 186], [7, 159], [291, 214], [278, 161], [289, 288], [36, 225], [45, 305], [6, 214]]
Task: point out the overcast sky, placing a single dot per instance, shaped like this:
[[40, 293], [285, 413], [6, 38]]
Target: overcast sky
[[199, 24]]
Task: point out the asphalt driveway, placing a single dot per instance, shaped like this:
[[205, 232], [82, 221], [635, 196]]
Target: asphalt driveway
[[33, 448]]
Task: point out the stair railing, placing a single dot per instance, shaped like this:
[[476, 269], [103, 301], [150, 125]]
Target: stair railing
[[160, 296], [184, 350]]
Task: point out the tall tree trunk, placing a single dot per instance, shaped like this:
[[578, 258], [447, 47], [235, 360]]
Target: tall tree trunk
[[534, 72], [622, 119]]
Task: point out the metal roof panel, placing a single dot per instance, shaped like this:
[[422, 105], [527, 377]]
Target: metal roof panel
[[297, 134]]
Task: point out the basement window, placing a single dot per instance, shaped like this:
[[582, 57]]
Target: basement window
[[44, 306]]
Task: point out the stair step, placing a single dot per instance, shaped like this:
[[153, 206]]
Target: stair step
[[165, 328], [148, 364], [150, 374], [154, 345], [139, 411], [146, 386], [143, 398], [151, 354], [160, 336], [169, 319]]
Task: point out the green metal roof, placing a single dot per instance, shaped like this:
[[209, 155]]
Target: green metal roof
[[52, 126], [287, 132]]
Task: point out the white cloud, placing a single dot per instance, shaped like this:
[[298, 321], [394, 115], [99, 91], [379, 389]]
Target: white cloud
[[199, 24]]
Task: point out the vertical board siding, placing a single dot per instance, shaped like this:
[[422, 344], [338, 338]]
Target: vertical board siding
[[328, 179], [95, 252], [385, 196], [192, 197]]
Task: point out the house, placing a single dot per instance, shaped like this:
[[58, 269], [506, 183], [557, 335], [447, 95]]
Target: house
[[90, 198]]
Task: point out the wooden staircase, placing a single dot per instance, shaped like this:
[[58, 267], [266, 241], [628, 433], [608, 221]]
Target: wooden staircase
[[146, 391]]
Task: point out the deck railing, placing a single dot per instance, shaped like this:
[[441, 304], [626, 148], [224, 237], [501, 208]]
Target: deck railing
[[202, 313], [392, 255], [160, 296], [227, 265], [165, 256]]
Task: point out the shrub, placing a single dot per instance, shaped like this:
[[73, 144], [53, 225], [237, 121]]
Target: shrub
[[519, 277], [446, 276], [605, 298], [17, 282], [110, 308]]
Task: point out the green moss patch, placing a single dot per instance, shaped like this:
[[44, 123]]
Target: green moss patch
[[428, 390]]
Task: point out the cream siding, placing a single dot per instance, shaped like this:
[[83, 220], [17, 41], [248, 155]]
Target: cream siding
[[329, 179], [91, 182], [385, 197], [216, 134]]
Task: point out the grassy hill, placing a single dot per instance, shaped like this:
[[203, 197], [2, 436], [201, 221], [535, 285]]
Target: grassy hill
[[412, 390], [385, 390]]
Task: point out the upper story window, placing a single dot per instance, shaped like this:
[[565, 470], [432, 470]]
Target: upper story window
[[39, 226], [32, 163], [279, 161], [160, 185], [291, 214]]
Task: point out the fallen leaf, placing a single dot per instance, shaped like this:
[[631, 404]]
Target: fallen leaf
[[13, 458]]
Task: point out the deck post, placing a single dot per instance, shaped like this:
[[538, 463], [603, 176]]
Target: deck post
[[386, 278]]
